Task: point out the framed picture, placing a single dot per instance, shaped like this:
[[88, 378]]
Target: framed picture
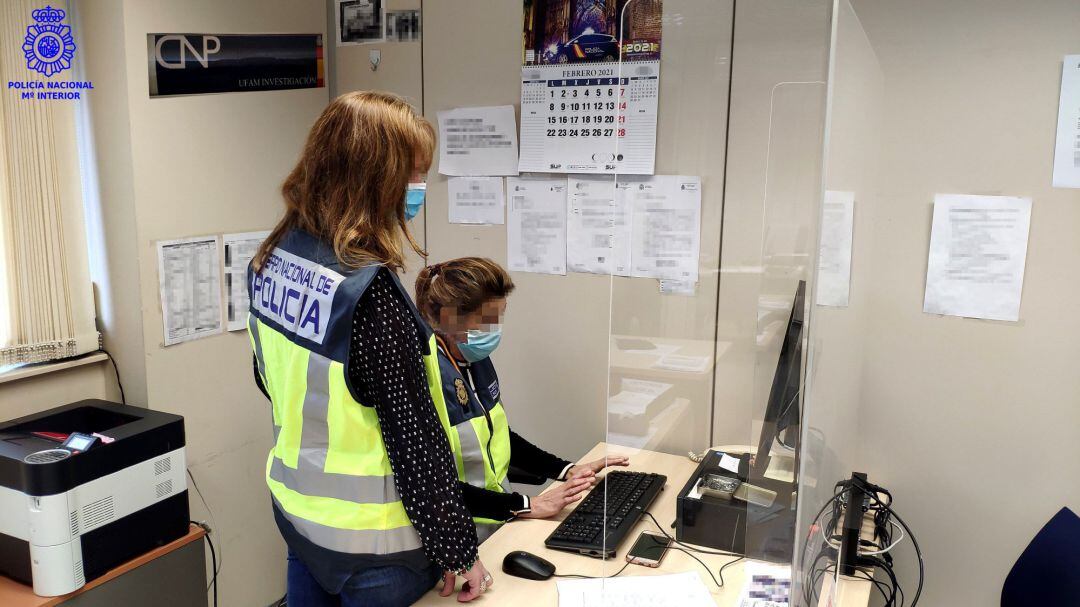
[[360, 21]]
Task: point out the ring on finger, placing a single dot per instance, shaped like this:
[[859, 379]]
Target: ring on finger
[[483, 585]]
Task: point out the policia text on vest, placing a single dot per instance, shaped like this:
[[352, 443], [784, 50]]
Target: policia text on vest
[[339, 494]]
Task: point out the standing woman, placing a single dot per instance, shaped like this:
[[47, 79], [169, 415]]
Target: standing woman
[[361, 475], [464, 300]]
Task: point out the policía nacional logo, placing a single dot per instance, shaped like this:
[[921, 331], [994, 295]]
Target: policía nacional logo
[[48, 46], [462, 395]]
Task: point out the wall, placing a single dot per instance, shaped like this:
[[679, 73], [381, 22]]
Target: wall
[[560, 325], [553, 364], [198, 165], [32, 394], [951, 407], [109, 191]]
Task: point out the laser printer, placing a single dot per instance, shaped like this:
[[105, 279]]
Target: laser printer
[[85, 487]]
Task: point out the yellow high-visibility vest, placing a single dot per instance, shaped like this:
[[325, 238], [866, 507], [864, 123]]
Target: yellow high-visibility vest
[[328, 471], [478, 425]]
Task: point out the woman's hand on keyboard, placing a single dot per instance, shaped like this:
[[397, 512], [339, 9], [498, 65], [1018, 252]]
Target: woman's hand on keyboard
[[591, 469], [552, 502]]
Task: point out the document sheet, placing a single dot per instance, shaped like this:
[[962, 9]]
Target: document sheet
[[536, 224], [766, 585], [978, 248], [189, 271], [597, 226], [834, 255], [636, 396], [1067, 150], [478, 141], [666, 226], [477, 200], [675, 590], [678, 287], [239, 249]]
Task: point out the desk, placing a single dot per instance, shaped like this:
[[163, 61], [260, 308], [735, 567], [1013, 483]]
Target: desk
[[174, 574], [529, 535], [646, 364]]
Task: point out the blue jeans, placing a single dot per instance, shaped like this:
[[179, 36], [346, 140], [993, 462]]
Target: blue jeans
[[391, 586]]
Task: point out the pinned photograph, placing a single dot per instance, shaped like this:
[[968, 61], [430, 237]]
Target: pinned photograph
[[403, 26], [586, 31], [360, 21]]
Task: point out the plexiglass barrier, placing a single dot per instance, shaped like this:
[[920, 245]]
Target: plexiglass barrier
[[711, 259]]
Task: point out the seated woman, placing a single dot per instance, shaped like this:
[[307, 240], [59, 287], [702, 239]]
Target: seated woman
[[464, 300]]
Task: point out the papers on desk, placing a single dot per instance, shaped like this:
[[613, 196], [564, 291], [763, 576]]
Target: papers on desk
[[676, 590], [624, 433], [683, 364], [729, 463], [766, 586], [636, 396]]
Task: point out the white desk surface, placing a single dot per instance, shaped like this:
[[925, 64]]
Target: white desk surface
[[529, 535]]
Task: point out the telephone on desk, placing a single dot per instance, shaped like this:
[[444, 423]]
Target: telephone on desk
[[722, 508]]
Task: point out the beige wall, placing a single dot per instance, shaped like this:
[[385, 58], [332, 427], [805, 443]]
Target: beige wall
[[953, 409], [553, 364], [559, 325], [189, 166], [110, 195], [32, 394]]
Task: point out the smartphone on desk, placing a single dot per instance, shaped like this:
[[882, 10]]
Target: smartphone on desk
[[648, 550]]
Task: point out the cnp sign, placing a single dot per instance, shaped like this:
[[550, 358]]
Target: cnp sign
[[196, 64], [185, 46]]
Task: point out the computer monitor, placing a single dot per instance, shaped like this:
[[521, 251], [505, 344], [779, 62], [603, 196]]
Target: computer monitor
[[782, 410]]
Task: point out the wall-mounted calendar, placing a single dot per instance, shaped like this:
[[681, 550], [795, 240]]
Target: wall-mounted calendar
[[589, 118]]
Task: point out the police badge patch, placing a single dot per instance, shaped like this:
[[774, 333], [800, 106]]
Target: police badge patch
[[462, 394], [48, 45]]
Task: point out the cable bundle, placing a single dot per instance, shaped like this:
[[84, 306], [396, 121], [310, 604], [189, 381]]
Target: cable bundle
[[874, 555]]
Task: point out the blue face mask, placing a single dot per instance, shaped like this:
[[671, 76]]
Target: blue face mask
[[480, 344], [414, 199]]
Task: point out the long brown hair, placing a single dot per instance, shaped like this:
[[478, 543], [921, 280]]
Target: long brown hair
[[348, 188], [464, 283]]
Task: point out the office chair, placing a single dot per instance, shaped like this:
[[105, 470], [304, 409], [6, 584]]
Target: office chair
[[1046, 572]]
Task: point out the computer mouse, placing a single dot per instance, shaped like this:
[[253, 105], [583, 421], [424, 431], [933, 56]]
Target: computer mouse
[[525, 565]]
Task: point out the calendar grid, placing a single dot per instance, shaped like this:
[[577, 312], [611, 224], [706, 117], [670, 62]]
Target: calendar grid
[[589, 119]]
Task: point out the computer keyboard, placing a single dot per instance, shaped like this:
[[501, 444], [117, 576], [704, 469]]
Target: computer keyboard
[[622, 496]]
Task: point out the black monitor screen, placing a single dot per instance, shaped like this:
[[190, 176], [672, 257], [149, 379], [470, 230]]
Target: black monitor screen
[[782, 409]]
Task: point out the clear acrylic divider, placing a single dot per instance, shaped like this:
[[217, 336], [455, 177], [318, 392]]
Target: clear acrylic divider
[[707, 347]]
